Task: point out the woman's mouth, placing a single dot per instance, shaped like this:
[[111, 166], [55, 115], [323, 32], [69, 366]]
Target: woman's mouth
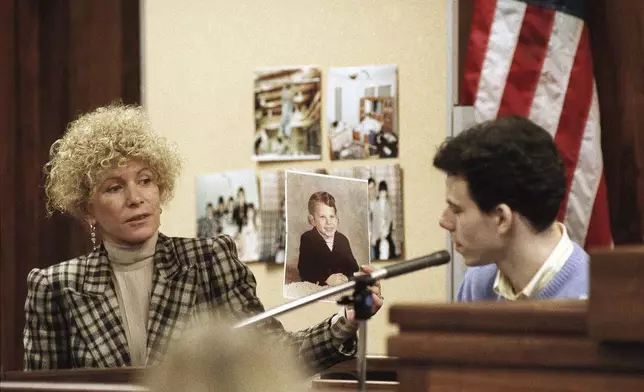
[[138, 218]]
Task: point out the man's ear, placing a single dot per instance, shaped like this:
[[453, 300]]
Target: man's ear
[[310, 218], [504, 217]]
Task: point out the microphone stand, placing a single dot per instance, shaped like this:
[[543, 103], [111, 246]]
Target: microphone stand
[[361, 301]]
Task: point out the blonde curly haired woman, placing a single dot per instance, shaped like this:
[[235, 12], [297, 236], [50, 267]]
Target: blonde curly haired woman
[[130, 298]]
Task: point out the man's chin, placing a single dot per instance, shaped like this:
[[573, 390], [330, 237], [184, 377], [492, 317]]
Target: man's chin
[[475, 262]]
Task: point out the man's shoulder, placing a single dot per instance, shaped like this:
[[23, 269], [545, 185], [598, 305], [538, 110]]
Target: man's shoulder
[[478, 283], [579, 254], [481, 272]]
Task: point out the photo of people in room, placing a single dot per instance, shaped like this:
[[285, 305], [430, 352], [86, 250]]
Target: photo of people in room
[[327, 231], [287, 114], [385, 208], [361, 112], [228, 203], [273, 213]]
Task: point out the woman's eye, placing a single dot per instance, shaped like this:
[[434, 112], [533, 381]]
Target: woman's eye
[[146, 181], [113, 188]]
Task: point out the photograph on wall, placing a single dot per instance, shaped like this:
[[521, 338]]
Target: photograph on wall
[[362, 112], [386, 229], [228, 203], [273, 214], [287, 114], [327, 231]]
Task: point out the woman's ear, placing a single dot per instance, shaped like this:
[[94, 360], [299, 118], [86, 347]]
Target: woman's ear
[[87, 215], [504, 216]]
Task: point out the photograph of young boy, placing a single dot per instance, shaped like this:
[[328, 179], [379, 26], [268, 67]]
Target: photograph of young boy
[[325, 253], [327, 231]]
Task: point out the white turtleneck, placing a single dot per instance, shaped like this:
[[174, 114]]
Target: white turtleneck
[[133, 267]]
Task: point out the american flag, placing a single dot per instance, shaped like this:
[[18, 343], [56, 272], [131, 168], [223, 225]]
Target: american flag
[[532, 58]]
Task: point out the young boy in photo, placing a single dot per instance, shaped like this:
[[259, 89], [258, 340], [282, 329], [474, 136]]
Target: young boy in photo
[[325, 254]]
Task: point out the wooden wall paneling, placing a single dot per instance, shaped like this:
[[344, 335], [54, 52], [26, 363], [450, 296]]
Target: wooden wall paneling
[[59, 58], [131, 51], [617, 37], [24, 145], [7, 172], [465, 9], [95, 54]]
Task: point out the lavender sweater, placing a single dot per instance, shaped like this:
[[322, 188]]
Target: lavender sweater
[[570, 282]]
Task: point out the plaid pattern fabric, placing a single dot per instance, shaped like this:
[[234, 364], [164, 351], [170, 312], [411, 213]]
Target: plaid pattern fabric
[[72, 314]]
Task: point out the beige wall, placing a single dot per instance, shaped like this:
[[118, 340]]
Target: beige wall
[[198, 61]]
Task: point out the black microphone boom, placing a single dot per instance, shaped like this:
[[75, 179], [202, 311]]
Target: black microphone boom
[[404, 267]]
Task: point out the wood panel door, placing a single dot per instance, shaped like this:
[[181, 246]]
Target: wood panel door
[[58, 58]]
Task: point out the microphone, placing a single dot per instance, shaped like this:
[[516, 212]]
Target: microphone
[[405, 267]]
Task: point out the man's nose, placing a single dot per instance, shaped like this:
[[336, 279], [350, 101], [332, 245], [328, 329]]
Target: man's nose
[[445, 222]]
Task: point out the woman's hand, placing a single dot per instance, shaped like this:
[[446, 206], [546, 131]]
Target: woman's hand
[[376, 294]]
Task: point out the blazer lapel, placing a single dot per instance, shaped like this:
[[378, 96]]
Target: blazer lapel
[[173, 297], [96, 313]]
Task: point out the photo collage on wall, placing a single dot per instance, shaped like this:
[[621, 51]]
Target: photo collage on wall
[[361, 112], [251, 206], [255, 215]]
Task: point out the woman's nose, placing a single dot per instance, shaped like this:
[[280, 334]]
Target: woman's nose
[[134, 195]]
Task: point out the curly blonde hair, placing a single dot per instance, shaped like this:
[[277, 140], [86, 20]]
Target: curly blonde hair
[[94, 143]]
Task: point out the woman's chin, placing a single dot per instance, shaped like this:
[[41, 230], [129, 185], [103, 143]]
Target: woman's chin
[[139, 236]]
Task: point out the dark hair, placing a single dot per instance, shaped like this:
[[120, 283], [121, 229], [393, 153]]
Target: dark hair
[[382, 186], [510, 160], [371, 181], [321, 197], [220, 200]]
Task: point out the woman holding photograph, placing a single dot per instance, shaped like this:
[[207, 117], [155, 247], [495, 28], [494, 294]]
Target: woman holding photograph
[[133, 295]]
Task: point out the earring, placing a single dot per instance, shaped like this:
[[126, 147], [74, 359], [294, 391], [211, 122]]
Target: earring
[[92, 235]]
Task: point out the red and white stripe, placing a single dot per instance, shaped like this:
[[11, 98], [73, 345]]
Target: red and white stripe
[[536, 62]]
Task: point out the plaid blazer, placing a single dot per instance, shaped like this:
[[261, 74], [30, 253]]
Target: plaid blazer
[[73, 319]]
